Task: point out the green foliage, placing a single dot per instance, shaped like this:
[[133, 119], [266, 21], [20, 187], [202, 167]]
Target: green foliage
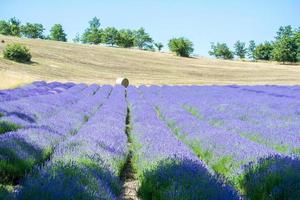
[[4, 192], [284, 31], [159, 46], [32, 30], [86, 118], [193, 111], [206, 156], [297, 40], [93, 34], [4, 28], [126, 38], [181, 46], [296, 151], [282, 148], [223, 166], [76, 39], [57, 33], [11, 27], [263, 51], [251, 49], [17, 52], [13, 168], [110, 36], [240, 49], [7, 127], [220, 50], [142, 39], [285, 46]]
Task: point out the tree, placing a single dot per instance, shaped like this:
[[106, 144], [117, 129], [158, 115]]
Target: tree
[[221, 50], [4, 28], [125, 38], [57, 33], [297, 39], [142, 39], [240, 49], [11, 27], [285, 46], [263, 51], [93, 34], [181, 46], [33, 30], [251, 49], [76, 39], [159, 46], [284, 31], [285, 50], [110, 36], [15, 27]]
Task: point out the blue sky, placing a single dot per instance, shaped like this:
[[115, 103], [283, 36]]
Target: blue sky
[[199, 20]]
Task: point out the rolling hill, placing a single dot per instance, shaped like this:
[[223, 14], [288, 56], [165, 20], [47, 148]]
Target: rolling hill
[[58, 61]]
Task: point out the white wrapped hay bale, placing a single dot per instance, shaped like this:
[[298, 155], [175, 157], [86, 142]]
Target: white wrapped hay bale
[[122, 81]]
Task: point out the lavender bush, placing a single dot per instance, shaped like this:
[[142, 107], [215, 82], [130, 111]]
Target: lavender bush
[[74, 141]]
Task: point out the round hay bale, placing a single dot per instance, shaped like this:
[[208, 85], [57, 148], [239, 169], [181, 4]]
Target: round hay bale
[[122, 81]]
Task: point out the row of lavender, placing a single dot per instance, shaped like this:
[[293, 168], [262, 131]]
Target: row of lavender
[[46, 122], [186, 143], [229, 127], [34, 89]]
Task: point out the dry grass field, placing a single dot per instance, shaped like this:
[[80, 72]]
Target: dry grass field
[[58, 61]]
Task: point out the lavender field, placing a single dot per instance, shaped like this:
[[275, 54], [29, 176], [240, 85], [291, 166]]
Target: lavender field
[[78, 141]]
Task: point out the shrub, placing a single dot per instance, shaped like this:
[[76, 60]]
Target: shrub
[[275, 177], [181, 46], [17, 52]]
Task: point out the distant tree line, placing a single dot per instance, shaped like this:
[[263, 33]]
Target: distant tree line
[[13, 27], [94, 34], [285, 48], [125, 38]]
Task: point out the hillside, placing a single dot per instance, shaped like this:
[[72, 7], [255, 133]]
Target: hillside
[[58, 61]]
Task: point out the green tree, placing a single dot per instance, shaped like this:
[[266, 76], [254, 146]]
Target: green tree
[[285, 46], [76, 39], [11, 27], [251, 49], [125, 38], [15, 27], [263, 51], [32, 30], [240, 49], [57, 33], [4, 28], [284, 31], [142, 39], [110, 36], [297, 39], [221, 50], [285, 50], [181, 46], [93, 34], [159, 46]]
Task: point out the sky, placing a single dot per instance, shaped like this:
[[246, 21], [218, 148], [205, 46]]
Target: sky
[[201, 21]]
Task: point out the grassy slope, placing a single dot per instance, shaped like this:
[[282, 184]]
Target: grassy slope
[[97, 64]]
